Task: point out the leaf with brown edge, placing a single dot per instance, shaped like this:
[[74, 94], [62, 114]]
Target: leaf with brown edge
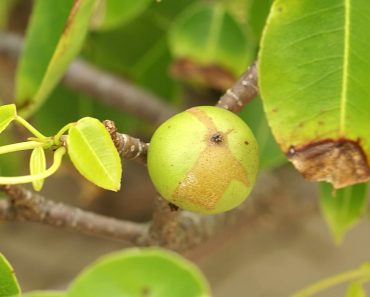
[[111, 14], [341, 162], [313, 78], [54, 37], [209, 46]]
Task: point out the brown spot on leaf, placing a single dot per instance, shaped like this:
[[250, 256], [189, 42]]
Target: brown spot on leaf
[[72, 14], [213, 171], [213, 76], [145, 292], [341, 162]]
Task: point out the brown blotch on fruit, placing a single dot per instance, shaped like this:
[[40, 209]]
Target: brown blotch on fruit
[[203, 184], [341, 162]]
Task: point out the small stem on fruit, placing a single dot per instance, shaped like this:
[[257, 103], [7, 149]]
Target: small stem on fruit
[[58, 155], [21, 146], [242, 92], [311, 290], [129, 148], [29, 127]]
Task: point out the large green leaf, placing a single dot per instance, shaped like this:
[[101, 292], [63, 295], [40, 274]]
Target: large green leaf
[[114, 13], [93, 153], [209, 35], [8, 282], [54, 37], [314, 77], [139, 273], [355, 289], [342, 208], [7, 114]]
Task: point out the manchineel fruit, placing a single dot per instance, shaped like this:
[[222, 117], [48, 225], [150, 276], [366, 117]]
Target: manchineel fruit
[[204, 160]]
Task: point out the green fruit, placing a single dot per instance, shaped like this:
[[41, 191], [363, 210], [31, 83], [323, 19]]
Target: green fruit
[[204, 160]]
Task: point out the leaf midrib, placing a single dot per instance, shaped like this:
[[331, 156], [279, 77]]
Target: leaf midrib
[[344, 94], [93, 152]]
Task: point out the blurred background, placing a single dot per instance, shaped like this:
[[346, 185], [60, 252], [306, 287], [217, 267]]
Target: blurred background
[[186, 52]]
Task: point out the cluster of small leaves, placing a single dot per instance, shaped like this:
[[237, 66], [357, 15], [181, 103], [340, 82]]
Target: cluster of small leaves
[[88, 143], [135, 273]]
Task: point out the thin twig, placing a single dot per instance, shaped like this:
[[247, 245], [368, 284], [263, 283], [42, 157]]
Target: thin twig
[[129, 148], [242, 92], [114, 91], [177, 230], [24, 205], [104, 86]]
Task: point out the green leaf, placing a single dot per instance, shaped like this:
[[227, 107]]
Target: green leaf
[[8, 283], [43, 33], [37, 165], [7, 114], [209, 35], [54, 37], [314, 75], [93, 153], [355, 289], [271, 155], [258, 11], [138, 273], [45, 294], [114, 13], [144, 61], [342, 208]]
